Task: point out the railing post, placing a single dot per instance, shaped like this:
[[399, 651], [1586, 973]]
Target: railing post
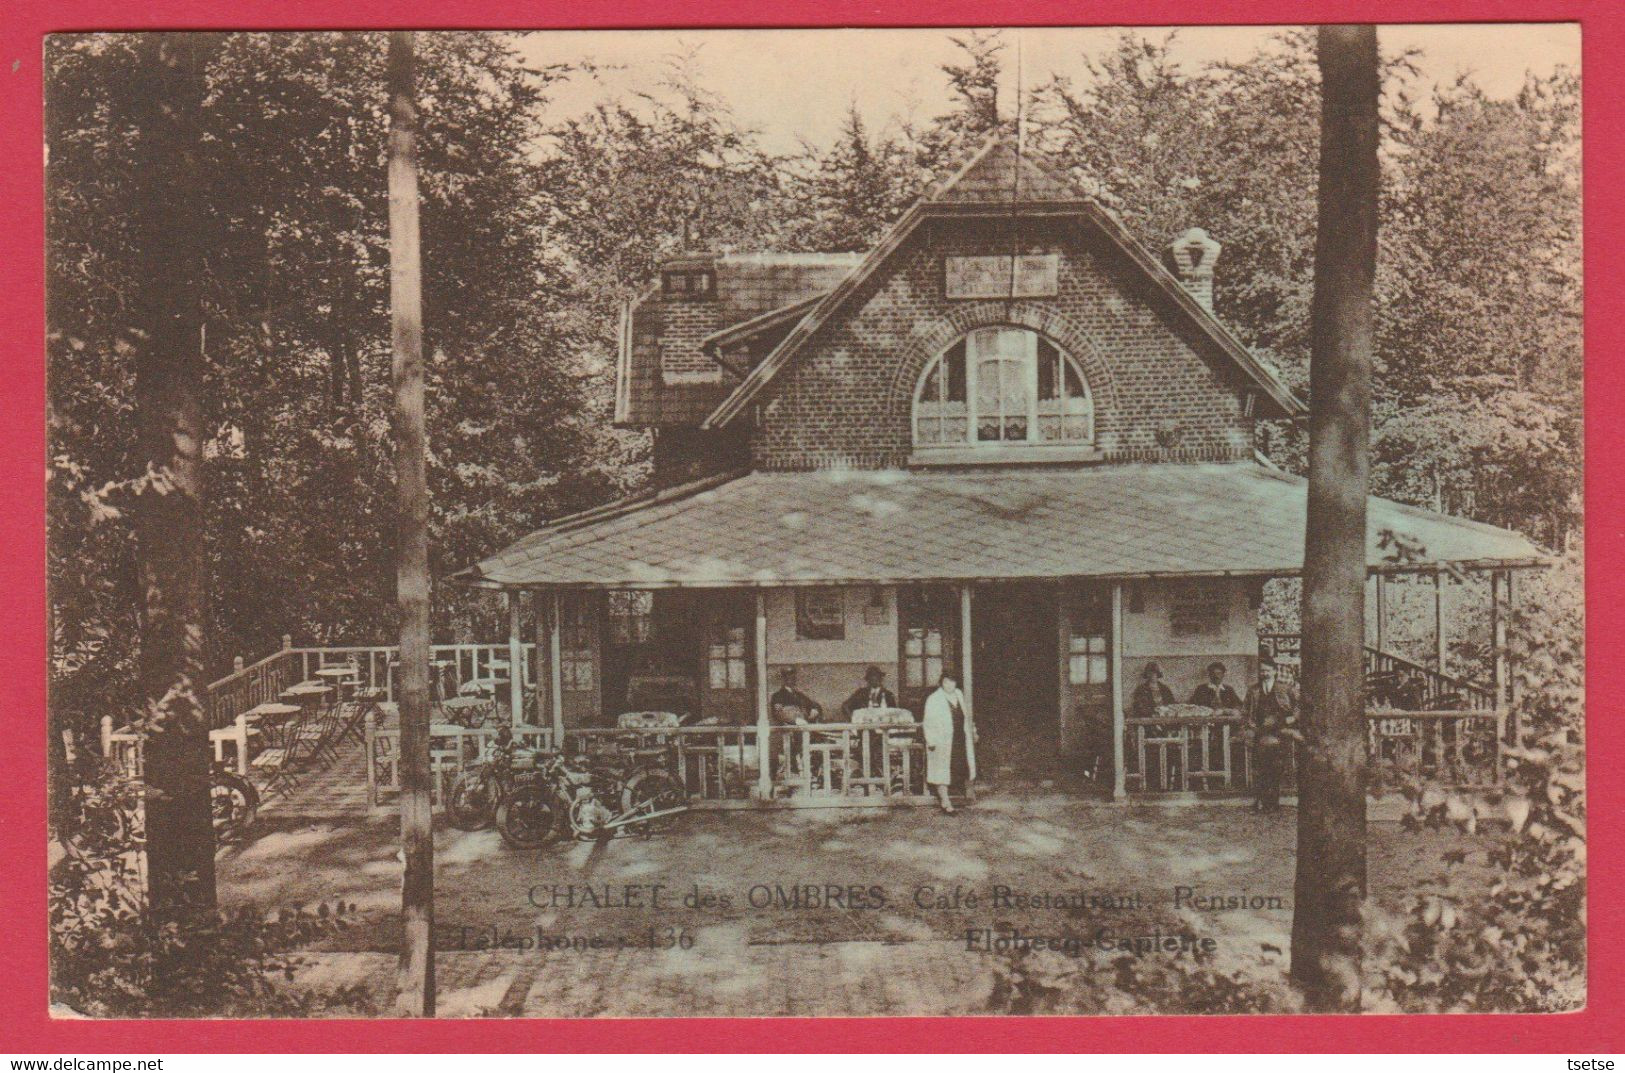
[[242, 743], [236, 664], [107, 735]]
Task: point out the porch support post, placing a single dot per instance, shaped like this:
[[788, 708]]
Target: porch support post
[[1511, 595], [1382, 613], [965, 647], [764, 718], [1510, 683], [555, 673], [1498, 638], [1119, 723], [1438, 621], [516, 659], [544, 672]]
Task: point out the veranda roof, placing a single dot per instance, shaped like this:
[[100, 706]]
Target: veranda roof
[[1007, 523]]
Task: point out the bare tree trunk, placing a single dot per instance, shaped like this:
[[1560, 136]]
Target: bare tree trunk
[[168, 521], [416, 980], [1331, 880]]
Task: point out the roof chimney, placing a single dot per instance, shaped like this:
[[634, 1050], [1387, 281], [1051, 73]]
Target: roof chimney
[[1192, 255]]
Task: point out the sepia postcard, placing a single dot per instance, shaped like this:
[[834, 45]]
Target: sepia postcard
[[815, 523]]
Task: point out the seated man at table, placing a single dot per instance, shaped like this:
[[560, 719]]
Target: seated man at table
[[872, 694], [1216, 692], [790, 707]]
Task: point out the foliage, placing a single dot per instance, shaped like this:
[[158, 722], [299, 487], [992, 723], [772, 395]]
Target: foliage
[[1517, 944], [110, 957], [943, 144], [1520, 946], [847, 197], [1048, 982], [1478, 273], [296, 338]]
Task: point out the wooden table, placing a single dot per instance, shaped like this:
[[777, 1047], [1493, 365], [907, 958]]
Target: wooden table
[[274, 716], [455, 708], [343, 678]]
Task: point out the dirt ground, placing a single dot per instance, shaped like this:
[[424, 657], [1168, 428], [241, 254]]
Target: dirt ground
[[816, 910]]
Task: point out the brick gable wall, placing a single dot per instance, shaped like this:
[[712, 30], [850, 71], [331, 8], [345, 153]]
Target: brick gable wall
[[847, 399]]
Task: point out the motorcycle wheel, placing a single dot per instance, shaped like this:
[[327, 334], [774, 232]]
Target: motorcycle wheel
[[472, 803], [653, 791], [528, 818], [233, 803]]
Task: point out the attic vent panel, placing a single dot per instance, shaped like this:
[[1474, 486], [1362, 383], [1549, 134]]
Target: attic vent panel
[[689, 282]]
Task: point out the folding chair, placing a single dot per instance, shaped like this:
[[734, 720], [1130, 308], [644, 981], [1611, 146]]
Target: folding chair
[[365, 699], [272, 762]]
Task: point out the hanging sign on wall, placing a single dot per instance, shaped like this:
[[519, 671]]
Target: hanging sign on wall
[[1031, 276]]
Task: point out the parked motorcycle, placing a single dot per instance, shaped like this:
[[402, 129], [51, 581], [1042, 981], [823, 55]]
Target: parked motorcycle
[[532, 810], [594, 798], [472, 802], [233, 802], [626, 793]]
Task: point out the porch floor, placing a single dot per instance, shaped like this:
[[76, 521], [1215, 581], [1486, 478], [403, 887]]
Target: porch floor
[[899, 958]]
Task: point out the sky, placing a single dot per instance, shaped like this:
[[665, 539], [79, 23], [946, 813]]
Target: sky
[[796, 85]]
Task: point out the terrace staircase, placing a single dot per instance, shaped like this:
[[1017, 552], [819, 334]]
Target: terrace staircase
[[1392, 680]]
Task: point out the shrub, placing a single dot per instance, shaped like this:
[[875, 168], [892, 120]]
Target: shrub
[[1516, 945], [111, 957]]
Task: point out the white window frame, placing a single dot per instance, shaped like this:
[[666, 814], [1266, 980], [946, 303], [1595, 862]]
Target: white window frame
[[975, 358]]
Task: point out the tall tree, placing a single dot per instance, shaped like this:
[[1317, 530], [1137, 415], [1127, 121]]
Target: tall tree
[[1331, 881], [416, 991], [165, 338], [973, 83], [846, 198]]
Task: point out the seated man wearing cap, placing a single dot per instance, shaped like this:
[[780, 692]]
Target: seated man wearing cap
[[791, 707], [872, 694]]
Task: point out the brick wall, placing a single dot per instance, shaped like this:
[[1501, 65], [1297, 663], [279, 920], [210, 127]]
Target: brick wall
[[1159, 392], [686, 319]]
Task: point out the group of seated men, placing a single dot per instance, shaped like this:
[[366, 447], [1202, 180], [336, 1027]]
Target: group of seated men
[[790, 706]]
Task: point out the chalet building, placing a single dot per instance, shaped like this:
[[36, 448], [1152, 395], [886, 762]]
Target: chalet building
[[1008, 439]]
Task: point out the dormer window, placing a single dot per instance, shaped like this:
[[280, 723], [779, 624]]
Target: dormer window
[[698, 282], [1003, 386]]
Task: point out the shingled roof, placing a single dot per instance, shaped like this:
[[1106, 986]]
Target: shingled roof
[[830, 527], [747, 286], [1001, 179]]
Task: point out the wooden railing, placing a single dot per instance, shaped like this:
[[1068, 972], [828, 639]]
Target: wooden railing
[[1436, 688], [451, 749], [469, 662], [1457, 749], [830, 763], [1208, 755], [265, 680], [850, 762], [245, 687], [1432, 691]]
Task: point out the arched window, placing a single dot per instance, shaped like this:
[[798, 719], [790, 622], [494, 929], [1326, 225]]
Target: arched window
[[1002, 386]]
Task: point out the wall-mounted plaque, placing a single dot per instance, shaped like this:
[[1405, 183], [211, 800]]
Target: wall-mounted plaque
[[1029, 276]]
